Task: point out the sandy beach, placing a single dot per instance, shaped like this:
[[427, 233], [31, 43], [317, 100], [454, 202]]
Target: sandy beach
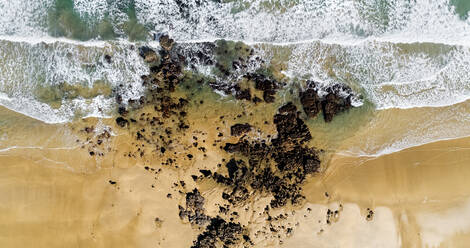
[[63, 197]]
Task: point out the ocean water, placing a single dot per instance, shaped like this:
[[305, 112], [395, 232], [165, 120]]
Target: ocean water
[[399, 54]]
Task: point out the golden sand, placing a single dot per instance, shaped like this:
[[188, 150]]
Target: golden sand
[[54, 194]]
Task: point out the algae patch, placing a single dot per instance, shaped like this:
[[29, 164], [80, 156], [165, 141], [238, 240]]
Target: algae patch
[[54, 95]]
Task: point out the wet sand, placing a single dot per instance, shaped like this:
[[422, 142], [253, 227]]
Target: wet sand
[[425, 189]]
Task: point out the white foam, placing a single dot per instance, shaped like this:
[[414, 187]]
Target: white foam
[[28, 65], [262, 21], [337, 20], [393, 75]]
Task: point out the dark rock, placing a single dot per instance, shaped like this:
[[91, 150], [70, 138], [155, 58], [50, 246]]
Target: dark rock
[[265, 84], [292, 158], [148, 54], [220, 232], [257, 99], [107, 58], [243, 94], [122, 122], [206, 173], [166, 42], [289, 125], [334, 104], [194, 210], [311, 102], [239, 129], [122, 111]]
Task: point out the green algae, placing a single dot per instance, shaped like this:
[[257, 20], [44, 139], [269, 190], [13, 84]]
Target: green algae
[[64, 21], [229, 52], [133, 29], [54, 95]]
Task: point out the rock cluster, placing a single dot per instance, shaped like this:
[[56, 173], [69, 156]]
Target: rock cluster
[[216, 229], [278, 167], [337, 100]]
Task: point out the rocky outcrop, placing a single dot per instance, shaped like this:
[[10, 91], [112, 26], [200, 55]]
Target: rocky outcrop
[[216, 230], [264, 84], [239, 129], [194, 210], [221, 233], [336, 101], [292, 158], [311, 102]]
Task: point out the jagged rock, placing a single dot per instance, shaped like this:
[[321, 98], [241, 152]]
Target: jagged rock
[[337, 100], [194, 210], [334, 104], [292, 158], [311, 102], [148, 54], [122, 122], [220, 232], [243, 94], [264, 84], [289, 126], [239, 129], [166, 42]]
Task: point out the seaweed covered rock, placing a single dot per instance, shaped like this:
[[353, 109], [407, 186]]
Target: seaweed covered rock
[[231, 55]]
